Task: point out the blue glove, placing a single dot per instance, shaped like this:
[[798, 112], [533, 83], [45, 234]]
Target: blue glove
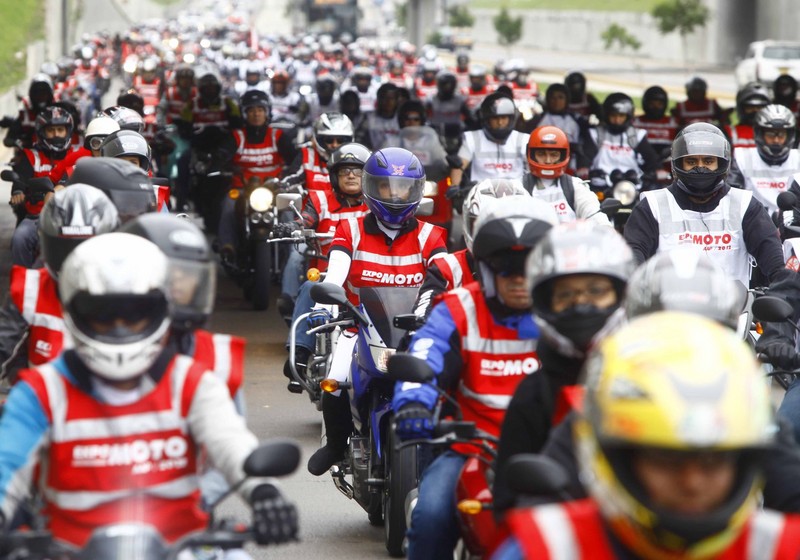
[[318, 318], [274, 518], [414, 421]]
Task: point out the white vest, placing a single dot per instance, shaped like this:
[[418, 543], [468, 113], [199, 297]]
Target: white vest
[[615, 151], [491, 160], [554, 194], [765, 180], [719, 232]]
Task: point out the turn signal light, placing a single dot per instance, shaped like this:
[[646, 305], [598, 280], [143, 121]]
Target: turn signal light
[[600, 196], [759, 328], [313, 274], [470, 507], [329, 385], [234, 193]]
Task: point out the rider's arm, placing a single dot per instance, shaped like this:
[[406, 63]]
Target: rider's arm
[[587, 206], [434, 284], [293, 173], [310, 215], [13, 347], [735, 177], [465, 152], [650, 159], [287, 146], [641, 232], [762, 240]]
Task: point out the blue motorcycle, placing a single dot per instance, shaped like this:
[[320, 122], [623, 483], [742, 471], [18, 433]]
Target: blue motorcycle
[[374, 472]]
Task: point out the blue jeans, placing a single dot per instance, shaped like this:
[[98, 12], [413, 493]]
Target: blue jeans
[[293, 271], [434, 527], [303, 304], [790, 407]]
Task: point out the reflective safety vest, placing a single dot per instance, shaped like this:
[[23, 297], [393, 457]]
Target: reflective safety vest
[[475, 97], [719, 232], [553, 193], [375, 263], [764, 180], [315, 170], [617, 151], [205, 117], [117, 464], [323, 202], [447, 111], [491, 160], [495, 358], [223, 354], [257, 159], [41, 163], [660, 132], [176, 101], [425, 92], [35, 294], [454, 268], [742, 136], [581, 107], [688, 112], [576, 530], [148, 90]]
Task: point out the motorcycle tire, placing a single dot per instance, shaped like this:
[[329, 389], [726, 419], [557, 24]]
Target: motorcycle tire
[[262, 275], [401, 475]]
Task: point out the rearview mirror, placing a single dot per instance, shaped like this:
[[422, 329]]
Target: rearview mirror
[[285, 200], [772, 309], [273, 458], [425, 207], [409, 368], [536, 475], [328, 294]]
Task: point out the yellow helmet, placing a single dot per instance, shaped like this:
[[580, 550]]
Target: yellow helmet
[[681, 382]]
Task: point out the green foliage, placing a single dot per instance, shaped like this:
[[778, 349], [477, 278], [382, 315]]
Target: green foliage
[[460, 16], [401, 13], [24, 27], [509, 29], [641, 6], [680, 15], [434, 38], [618, 34]]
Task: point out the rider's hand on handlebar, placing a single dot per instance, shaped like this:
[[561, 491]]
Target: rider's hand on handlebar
[[414, 421], [284, 229], [782, 355], [318, 318], [17, 198], [274, 518], [454, 162]]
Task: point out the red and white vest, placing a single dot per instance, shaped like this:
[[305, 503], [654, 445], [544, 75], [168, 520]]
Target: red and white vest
[[315, 170], [402, 263], [576, 530], [204, 117], [688, 112], [176, 102], [117, 464], [35, 293], [742, 136], [150, 91], [331, 212], [454, 268], [495, 359], [223, 354], [475, 97], [660, 132], [424, 91], [765, 180], [41, 163], [261, 160]]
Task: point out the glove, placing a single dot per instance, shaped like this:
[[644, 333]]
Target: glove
[[318, 318], [284, 229], [454, 161], [274, 519], [782, 355], [6, 122], [414, 421]]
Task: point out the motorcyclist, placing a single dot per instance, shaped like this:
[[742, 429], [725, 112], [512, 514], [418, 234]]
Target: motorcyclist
[[548, 156], [32, 329], [310, 167], [322, 212], [326, 98], [581, 101], [25, 239], [784, 91], [397, 74], [476, 92], [360, 81], [447, 107], [381, 124], [425, 85], [576, 302], [461, 69], [393, 181], [615, 144], [556, 113], [750, 99], [147, 81], [766, 169], [254, 79], [698, 107], [178, 95], [116, 309], [287, 105], [496, 150], [22, 129], [97, 131], [129, 146], [665, 491], [466, 336], [661, 128]]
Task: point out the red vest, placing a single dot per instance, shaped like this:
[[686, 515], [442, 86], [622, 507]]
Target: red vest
[[424, 91], [63, 168], [741, 135], [581, 107], [261, 160], [331, 212], [376, 263], [118, 464], [474, 98], [40, 162], [204, 116], [688, 112], [495, 359], [316, 170], [149, 91], [223, 354], [176, 102], [454, 267], [35, 293], [659, 131], [576, 530]]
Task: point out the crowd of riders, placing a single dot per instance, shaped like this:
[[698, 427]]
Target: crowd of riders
[[581, 282]]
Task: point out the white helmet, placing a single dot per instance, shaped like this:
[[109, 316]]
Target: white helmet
[[99, 127], [480, 196], [113, 289], [332, 125]]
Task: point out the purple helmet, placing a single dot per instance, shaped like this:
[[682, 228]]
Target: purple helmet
[[393, 183]]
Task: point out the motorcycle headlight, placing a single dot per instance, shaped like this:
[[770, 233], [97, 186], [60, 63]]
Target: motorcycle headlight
[[380, 356], [261, 199], [431, 189], [625, 192], [255, 217], [129, 65]]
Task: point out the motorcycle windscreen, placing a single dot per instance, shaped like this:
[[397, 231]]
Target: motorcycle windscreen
[[382, 305]]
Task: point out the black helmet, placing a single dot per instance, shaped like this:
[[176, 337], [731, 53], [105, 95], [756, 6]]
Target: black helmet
[[655, 94], [71, 216], [256, 98], [498, 105], [209, 84], [580, 247], [351, 155], [576, 84], [701, 139], [785, 89], [40, 91], [411, 106], [128, 186], [127, 143], [462, 60], [684, 279], [126, 118], [183, 70], [191, 277], [696, 84], [775, 118], [54, 116], [749, 100], [131, 99], [621, 104], [446, 83], [505, 233]]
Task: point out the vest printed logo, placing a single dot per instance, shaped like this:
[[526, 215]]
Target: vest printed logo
[[143, 456], [767, 184], [561, 208], [392, 278], [44, 348], [499, 166], [503, 368], [319, 177], [709, 241]]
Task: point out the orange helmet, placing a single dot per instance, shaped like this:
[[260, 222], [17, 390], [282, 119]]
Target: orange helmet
[[548, 138]]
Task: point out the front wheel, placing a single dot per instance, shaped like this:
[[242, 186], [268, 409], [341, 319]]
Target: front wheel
[[262, 276], [400, 478]]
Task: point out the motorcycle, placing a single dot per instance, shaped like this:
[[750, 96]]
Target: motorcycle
[[142, 541], [620, 186], [774, 309], [208, 182], [375, 472]]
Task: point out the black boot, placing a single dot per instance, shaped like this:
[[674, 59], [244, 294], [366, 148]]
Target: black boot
[[338, 427], [301, 358]]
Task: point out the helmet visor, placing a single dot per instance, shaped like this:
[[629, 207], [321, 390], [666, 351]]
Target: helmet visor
[[133, 203], [701, 144], [393, 190], [191, 286], [118, 318]]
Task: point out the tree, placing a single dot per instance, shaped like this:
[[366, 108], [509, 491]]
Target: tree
[[682, 16], [460, 16], [509, 29], [401, 14], [618, 34]]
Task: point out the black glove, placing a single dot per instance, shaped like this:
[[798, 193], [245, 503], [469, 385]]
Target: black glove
[[6, 122], [782, 355], [284, 229], [454, 161], [274, 519]]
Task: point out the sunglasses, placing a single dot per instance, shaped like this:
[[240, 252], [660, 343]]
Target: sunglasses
[[354, 171]]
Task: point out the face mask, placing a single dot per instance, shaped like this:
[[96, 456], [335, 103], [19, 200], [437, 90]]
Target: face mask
[[581, 323], [701, 179]]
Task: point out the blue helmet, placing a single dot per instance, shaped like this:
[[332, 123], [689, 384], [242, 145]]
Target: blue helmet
[[393, 184]]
